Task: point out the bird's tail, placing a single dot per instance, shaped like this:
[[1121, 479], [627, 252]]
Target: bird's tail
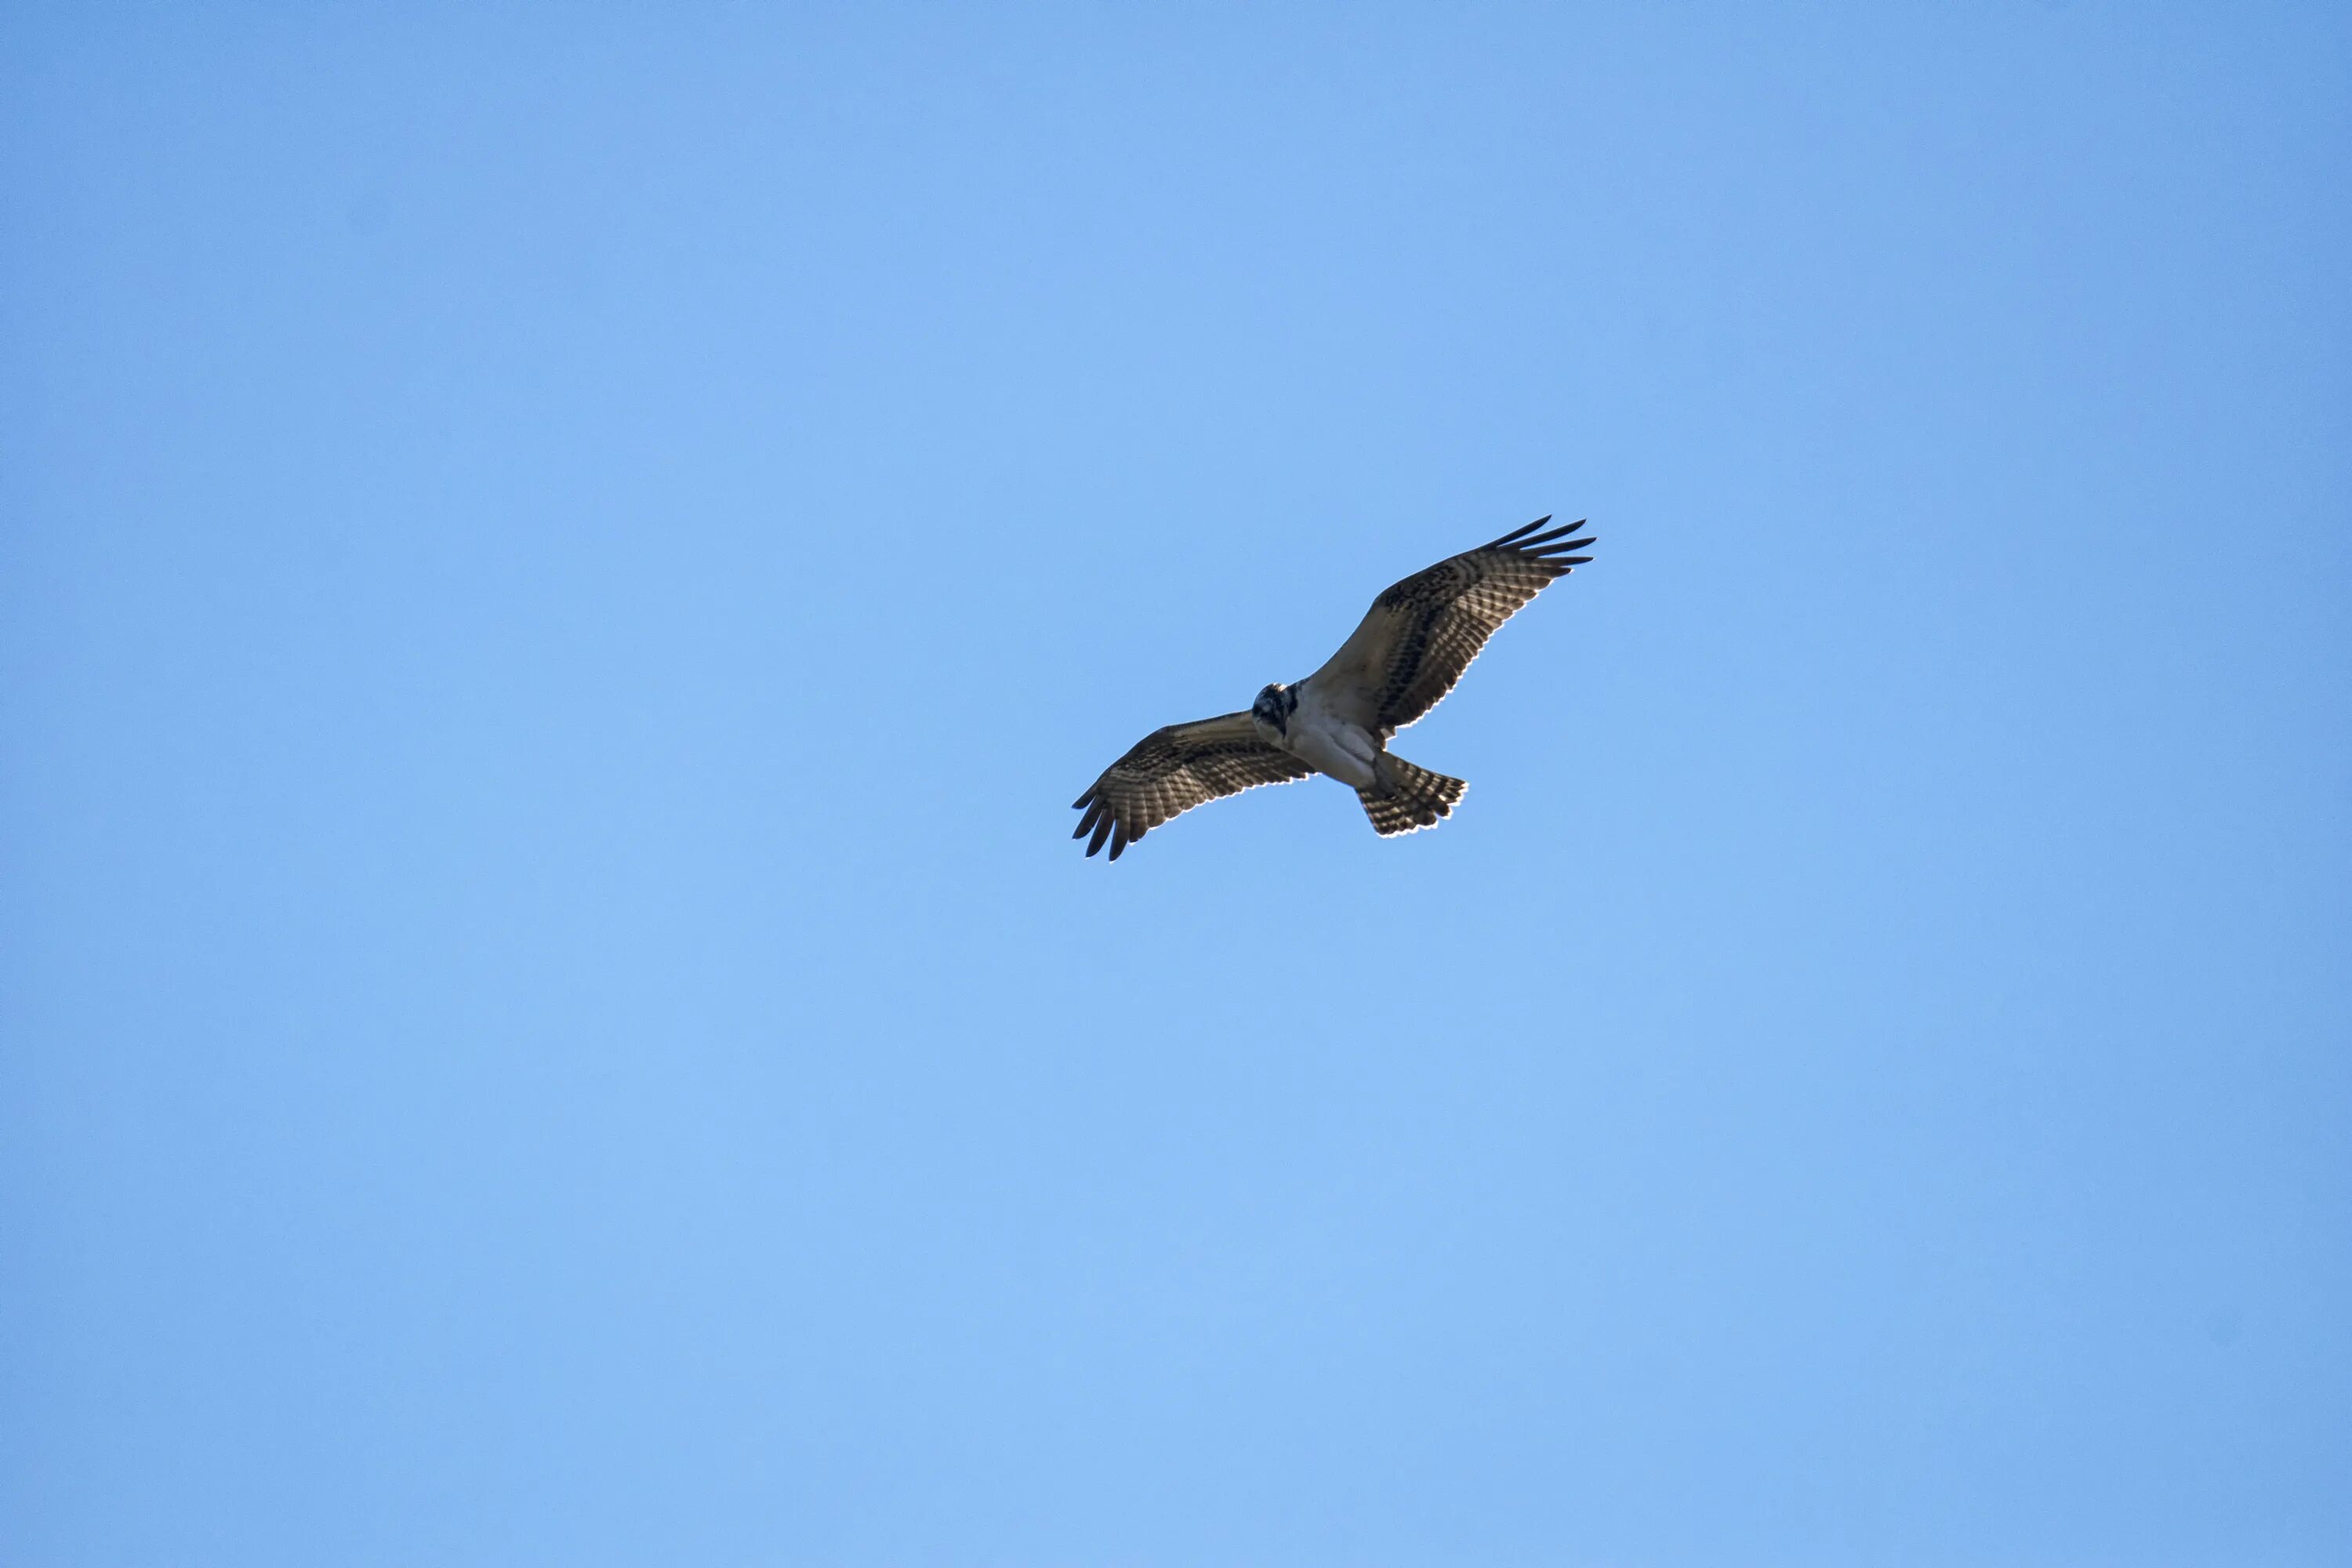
[[1405, 798]]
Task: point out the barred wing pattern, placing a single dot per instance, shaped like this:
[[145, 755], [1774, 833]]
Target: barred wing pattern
[[1419, 636], [1170, 771]]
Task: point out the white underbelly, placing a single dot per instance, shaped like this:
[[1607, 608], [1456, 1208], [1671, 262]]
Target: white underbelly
[[1334, 747]]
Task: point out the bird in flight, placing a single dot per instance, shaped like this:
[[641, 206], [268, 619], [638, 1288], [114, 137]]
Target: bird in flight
[[1413, 646]]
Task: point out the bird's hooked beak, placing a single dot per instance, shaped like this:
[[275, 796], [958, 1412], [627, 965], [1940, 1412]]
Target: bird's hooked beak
[[1271, 709]]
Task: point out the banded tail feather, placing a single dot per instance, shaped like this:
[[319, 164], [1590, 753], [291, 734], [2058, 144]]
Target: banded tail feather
[[1405, 797]]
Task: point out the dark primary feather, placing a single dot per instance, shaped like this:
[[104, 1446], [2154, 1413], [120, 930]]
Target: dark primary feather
[[1172, 770], [1420, 636]]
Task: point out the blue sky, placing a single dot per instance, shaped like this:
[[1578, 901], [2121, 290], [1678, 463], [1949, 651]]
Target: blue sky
[[561, 566]]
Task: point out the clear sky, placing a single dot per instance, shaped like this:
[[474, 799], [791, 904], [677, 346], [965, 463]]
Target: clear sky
[[560, 567]]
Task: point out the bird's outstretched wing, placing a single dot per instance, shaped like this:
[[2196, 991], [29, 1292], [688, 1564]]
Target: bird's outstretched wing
[[1418, 637], [1171, 770]]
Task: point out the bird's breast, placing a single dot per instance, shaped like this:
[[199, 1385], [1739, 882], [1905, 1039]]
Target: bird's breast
[[1332, 746]]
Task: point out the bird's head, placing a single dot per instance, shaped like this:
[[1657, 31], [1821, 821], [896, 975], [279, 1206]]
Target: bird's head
[[1272, 711]]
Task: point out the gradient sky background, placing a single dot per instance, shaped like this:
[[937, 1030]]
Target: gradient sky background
[[561, 566]]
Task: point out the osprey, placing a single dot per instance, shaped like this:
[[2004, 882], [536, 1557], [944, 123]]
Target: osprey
[[1414, 644]]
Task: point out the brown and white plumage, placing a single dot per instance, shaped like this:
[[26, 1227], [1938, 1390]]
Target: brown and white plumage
[[1407, 653], [1418, 637], [1172, 770]]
